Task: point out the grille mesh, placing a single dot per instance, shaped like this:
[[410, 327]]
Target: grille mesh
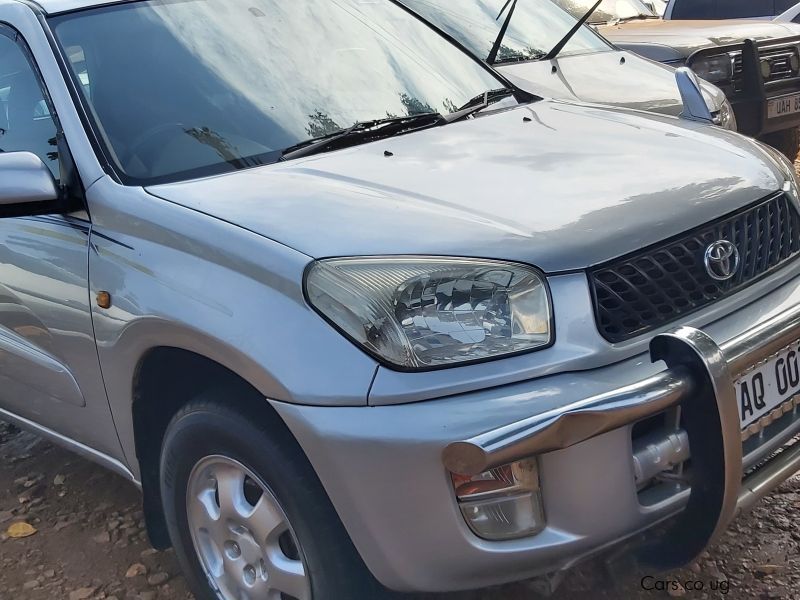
[[652, 287], [780, 62]]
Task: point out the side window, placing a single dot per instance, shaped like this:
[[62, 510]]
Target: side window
[[26, 124]]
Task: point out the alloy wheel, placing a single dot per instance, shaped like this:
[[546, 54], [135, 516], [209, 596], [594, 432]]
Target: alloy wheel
[[242, 536]]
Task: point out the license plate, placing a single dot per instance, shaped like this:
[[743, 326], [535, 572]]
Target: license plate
[[769, 385], [780, 107]]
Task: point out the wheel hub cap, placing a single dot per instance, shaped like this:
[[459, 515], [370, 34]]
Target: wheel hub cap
[[242, 536]]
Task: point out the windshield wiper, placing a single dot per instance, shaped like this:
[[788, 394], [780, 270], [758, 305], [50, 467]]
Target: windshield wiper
[[571, 33], [492, 58], [635, 18], [363, 131], [479, 103], [519, 58]]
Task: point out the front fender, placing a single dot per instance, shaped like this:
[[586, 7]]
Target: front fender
[[182, 279]]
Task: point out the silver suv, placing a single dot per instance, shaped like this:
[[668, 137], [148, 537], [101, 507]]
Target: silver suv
[[545, 50], [356, 314]]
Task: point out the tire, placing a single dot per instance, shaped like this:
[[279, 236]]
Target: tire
[[202, 447], [786, 142]]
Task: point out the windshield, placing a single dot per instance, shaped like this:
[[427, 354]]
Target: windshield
[[536, 27], [609, 10], [187, 88]]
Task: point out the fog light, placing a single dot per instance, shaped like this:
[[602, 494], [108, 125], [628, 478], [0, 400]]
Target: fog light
[[503, 503], [766, 69]]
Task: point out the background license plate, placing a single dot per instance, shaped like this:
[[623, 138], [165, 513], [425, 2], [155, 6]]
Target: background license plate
[[783, 106], [769, 385]]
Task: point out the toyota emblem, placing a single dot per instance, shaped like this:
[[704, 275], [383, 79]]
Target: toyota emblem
[[722, 260]]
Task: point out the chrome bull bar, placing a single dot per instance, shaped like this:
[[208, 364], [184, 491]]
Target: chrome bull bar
[[699, 377]]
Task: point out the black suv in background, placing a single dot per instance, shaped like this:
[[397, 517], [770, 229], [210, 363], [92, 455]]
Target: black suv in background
[[726, 9]]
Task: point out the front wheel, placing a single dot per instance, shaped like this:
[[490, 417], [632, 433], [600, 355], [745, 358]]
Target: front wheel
[[247, 515]]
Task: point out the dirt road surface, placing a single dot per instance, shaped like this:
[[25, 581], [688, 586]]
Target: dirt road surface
[[90, 543]]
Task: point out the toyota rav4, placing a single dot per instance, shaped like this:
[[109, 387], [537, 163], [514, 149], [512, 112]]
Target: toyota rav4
[[356, 314]]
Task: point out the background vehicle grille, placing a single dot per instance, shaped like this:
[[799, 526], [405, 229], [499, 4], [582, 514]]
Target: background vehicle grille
[[645, 290], [738, 73], [780, 62]]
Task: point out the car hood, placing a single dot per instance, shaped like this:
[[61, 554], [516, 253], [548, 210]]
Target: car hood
[[552, 184], [690, 36], [616, 78]]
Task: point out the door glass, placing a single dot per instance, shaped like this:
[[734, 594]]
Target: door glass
[[26, 124]]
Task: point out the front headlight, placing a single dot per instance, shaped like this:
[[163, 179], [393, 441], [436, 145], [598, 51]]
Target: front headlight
[[792, 190], [421, 313], [714, 68], [726, 118]]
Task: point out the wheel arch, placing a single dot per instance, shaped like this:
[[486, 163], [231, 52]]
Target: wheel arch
[[166, 378]]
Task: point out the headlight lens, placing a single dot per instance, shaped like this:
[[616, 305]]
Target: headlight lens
[[791, 188], [726, 118], [419, 313], [714, 68]]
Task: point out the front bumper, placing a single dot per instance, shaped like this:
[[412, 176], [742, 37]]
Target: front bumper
[[384, 467], [748, 92], [700, 378]]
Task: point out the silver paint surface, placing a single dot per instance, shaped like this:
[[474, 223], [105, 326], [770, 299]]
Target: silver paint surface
[[215, 267], [26, 179], [615, 78], [499, 187]]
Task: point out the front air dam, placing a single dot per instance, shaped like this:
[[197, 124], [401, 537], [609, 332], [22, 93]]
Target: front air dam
[[699, 378]]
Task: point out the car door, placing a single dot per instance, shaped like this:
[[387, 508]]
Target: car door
[[49, 369]]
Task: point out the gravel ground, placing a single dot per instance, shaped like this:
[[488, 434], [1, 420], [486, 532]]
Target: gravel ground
[[90, 543]]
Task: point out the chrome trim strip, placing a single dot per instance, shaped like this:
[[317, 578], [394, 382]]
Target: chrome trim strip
[[85, 451]]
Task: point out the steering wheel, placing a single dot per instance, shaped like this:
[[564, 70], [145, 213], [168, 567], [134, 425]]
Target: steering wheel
[[152, 135]]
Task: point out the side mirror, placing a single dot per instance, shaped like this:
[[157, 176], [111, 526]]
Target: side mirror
[[694, 104], [25, 179]]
